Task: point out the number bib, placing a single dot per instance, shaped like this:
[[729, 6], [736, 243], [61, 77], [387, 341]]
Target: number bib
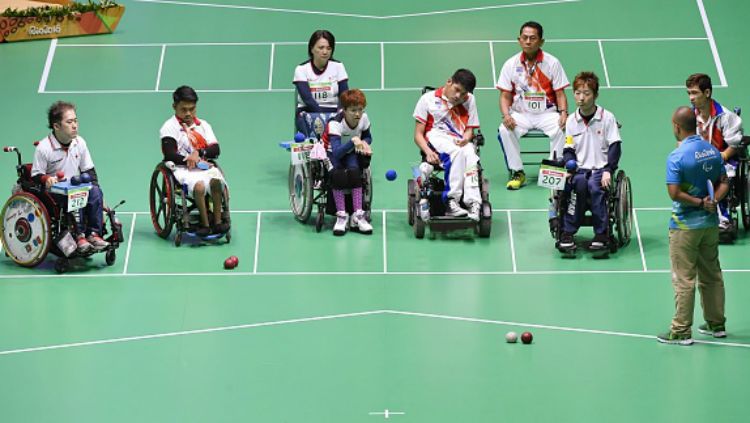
[[552, 177], [323, 93], [535, 102], [78, 195], [300, 152]]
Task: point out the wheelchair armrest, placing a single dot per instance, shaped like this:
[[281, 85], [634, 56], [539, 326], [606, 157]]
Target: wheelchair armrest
[[745, 141], [427, 88], [479, 138]]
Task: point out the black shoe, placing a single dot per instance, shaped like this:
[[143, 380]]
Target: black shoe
[[203, 231], [566, 240], [221, 228], [599, 242]]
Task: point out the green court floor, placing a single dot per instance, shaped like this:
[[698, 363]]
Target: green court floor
[[364, 328]]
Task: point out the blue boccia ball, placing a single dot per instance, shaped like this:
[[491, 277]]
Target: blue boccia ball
[[571, 165], [391, 175], [76, 180], [85, 178], [299, 137]]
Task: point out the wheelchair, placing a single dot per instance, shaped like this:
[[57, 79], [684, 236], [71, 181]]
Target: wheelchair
[[310, 179], [738, 196], [35, 222], [619, 205], [170, 205]]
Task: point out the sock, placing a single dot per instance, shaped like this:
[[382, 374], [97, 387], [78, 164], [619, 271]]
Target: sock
[[338, 198], [357, 198]]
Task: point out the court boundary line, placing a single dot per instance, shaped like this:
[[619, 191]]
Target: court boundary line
[[130, 243], [216, 329], [47, 66], [512, 242], [640, 243], [385, 244], [272, 44], [712, 43], [354, 15]]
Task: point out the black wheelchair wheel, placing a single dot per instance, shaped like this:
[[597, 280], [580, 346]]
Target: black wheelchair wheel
[[485, 220], [411, 199], [62, 265], [743, 182], [300, 191], [419, 228], [319, 219], [161, 200], [110, 257], [623, 209]]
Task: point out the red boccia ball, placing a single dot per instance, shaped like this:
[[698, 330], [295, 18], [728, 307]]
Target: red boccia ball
[[229, 263], [527, 337]]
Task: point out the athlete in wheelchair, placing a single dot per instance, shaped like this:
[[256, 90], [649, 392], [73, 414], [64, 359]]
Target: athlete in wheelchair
[[446, 119], [188, 189], [723, 129], [334, 174], [591, 155], [57, 204]]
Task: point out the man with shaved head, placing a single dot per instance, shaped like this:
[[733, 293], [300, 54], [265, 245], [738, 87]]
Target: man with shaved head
[[694, 230]]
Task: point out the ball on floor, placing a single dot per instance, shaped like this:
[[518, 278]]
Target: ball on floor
[[391, 175]]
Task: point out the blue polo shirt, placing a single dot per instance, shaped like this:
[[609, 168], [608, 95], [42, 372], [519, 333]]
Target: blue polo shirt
[[690, 165]]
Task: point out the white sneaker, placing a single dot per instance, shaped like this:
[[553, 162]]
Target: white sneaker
[[342, 221], [360, 223], [474, 211], [453, 209]]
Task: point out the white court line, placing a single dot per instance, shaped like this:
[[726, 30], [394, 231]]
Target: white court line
[[161, 66], [394, 42], [257, 243], [385, 245], [47, 65], [382, 66], [270, 70], [640, 243], [604, 62], [553, 327], [187, 332], [492, 62], [712, 43], [345, 316], [512, 243], [289, 90], [352, 15], [130, 243], [349, 274]]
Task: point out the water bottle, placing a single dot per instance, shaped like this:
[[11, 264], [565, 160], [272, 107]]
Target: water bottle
[[424, 209]]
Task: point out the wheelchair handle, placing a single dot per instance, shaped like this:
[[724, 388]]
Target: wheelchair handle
[[12, 149]]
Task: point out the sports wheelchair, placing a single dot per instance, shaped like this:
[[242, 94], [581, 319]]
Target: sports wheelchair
[[310, 178], [35, 221], [619, 205], [170, 206], [431, 188], [738, 196]]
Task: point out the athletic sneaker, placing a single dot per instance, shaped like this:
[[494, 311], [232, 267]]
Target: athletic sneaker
[[517, 180], [566, 240], [599, 242], [717, 331], [360, 223], [342, 220], [453, 209], [82, 245], [475, 211], [674, 338], [97, 242]]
